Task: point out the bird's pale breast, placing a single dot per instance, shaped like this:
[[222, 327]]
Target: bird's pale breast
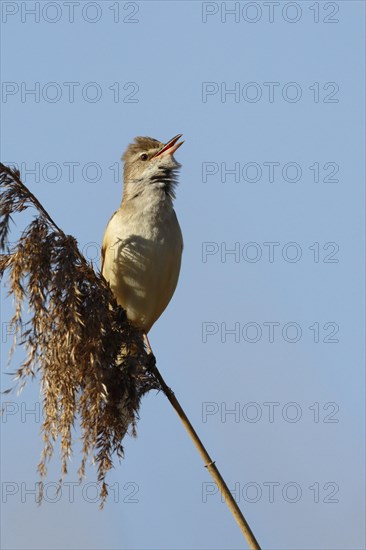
[[142, 257]]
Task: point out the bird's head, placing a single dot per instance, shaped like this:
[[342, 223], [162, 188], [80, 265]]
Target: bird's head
[[149, 162]]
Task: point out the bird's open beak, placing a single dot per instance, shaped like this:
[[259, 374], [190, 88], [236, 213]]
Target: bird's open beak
[[170, 147]]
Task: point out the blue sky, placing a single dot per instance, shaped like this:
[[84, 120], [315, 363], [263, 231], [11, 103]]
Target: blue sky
[[268, 318]]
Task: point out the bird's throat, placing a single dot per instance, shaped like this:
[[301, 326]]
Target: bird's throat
[[164, 180]]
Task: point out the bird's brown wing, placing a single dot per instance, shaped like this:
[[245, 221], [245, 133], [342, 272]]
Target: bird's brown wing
[[102, 258]]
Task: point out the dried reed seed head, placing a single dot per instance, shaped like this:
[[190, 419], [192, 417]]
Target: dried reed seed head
[[91, 361]]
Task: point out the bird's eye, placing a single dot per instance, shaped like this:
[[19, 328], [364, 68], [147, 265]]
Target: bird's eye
[[144, 156]]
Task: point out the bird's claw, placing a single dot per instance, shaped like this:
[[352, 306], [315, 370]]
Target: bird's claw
[[151, 361]]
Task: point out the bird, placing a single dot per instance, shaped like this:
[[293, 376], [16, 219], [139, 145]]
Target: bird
[[142, 243]]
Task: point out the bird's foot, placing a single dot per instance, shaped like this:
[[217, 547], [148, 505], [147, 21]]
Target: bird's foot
[[150, 361]]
